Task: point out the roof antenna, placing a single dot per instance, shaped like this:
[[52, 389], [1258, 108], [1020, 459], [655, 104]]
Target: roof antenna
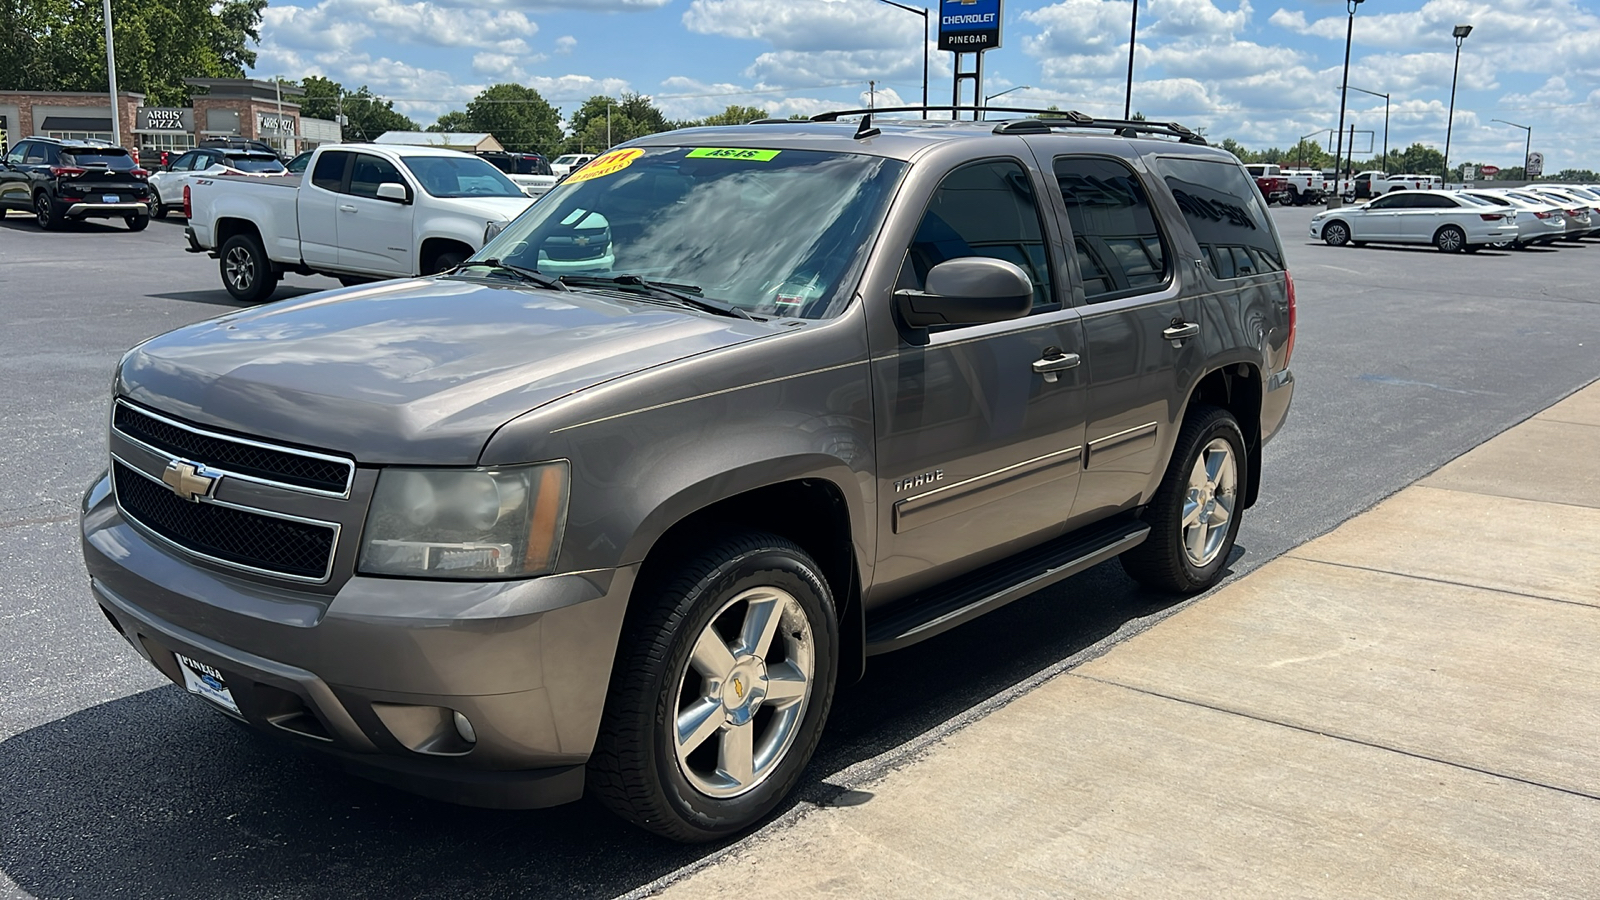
[[865, 129]]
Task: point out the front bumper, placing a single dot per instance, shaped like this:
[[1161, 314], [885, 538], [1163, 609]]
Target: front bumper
[[374, 674]]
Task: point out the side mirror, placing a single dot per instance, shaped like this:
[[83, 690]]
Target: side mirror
[[968, 291], [394, 192]]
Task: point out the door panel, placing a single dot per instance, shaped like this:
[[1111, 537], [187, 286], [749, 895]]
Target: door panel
[[14, 190], [374, 235], [316, 206], [978, 452]]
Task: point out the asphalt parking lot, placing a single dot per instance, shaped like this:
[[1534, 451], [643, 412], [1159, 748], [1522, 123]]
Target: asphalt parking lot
[[118, 784]]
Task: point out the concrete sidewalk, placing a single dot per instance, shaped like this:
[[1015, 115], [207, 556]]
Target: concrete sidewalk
[[1408, 706]]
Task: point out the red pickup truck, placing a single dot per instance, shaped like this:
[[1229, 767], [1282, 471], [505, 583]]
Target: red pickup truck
[[1271, 182]]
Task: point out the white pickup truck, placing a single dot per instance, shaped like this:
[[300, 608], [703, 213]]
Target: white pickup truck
[[361, 212], [1373, 183]]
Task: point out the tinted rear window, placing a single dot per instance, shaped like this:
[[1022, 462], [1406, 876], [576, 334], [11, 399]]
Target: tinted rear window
[[1224, 210], [114, 158], [253, 162]]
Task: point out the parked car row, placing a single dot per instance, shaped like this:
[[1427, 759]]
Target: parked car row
[[1466, 221]]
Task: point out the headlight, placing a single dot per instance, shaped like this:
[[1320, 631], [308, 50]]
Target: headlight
[[466, 523], [491, 230]]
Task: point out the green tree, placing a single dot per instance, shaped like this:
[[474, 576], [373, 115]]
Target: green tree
[[733, 115], [366, 114], [518, 117], [630, 117], [59, 45], [1586, 176], [1308, 155], [453, 121]]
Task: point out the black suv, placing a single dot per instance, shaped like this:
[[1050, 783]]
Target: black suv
[[615, 504], [517, 163], [61, 180]]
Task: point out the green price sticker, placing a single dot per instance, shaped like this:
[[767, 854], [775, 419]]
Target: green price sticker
[[733, 153]]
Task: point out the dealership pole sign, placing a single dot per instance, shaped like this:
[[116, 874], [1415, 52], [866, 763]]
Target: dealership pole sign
[[969, 26]]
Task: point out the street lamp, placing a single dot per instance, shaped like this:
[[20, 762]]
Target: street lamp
[[1460, 34], [1344, 88], [924, 14], [1133, 31], [1385, 122], [1020, 87], [1528, 150], [111, 80]]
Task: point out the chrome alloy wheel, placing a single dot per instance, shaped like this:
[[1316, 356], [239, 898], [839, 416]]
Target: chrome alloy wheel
[[41, 210], [241, 269], [741, 698], [1209, 505]]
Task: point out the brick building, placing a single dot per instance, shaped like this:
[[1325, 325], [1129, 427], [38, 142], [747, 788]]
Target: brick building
[[218, 107]]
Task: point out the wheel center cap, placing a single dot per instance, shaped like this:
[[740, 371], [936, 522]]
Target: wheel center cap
[[744, 689]]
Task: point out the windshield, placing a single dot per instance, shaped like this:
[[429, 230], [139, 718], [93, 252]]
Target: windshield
[[775, 232], [257, 164], [458, 176]]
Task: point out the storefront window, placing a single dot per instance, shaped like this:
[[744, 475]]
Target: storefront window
[[82, 136], [173, 142]]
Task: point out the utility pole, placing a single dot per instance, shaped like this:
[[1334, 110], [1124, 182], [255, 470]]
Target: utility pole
[[872, 95], [277, 82], [111, 77], [608, 123], [1344, 88]]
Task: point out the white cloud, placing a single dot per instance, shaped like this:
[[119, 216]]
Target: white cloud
[[341, 24], [565, 44]]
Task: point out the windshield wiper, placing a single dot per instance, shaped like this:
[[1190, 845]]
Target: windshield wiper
[[531, 276], [683, 294]]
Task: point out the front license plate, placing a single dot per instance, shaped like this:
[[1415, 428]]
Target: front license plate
[[110, 198], [202, 679]]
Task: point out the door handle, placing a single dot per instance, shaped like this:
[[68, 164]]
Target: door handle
[[347, 208], [1180, 331], [1050, 365]]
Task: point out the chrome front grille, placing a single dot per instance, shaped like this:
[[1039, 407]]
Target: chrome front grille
[[285, 466], [234, 501]]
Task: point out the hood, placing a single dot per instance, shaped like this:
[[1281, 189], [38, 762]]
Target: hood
[[497, 209], [415, 371]]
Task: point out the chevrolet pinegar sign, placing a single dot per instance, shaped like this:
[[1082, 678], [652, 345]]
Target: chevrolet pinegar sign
[[969, 26]]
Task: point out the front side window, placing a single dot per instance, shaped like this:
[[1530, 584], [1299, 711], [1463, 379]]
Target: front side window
[[371, 171], [1390, 201], [454, 176], [772, 232], [1115, 237], [1226, 215], [983, 209], [18, 153], [329, 173]]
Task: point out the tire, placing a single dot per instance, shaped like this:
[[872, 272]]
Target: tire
[[45, 212], [1206, 475], [445, 260], [1336, 233], [157, 210], [1297, 198], [1450, 239], [246, 272], [138, 223], [675, 664]]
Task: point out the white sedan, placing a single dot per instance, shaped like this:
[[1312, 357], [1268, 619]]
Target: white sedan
[[1538, 222], [1417, 217]]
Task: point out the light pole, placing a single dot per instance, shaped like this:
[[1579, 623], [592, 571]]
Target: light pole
[[924, 14], [1133, 31], [1301, 143], [1385, 122], [111, 78], [1460, 34], [1020, 87], [1349, 32], [1528, 150]]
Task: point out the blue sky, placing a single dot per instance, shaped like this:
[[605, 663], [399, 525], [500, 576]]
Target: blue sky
[[1263, 75]]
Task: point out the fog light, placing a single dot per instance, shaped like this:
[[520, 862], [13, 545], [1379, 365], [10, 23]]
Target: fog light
[[464, 728]]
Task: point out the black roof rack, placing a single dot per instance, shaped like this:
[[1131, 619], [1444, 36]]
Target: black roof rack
[[1043, 122]]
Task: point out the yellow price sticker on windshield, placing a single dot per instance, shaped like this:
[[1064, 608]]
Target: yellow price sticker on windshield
[[733, 153], [607, 164]]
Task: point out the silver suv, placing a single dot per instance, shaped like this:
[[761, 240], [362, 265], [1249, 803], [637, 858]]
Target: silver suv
[[801, 393]]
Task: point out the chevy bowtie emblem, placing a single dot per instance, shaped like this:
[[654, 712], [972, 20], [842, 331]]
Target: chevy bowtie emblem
[[187, 480], [738, 687]]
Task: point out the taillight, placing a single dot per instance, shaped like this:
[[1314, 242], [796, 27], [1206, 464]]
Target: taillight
[[1288, 346], [163, 159], [1490, 217], [139, 173], [188, 212], [59, 171], [1573, 213], [1542, 214]]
